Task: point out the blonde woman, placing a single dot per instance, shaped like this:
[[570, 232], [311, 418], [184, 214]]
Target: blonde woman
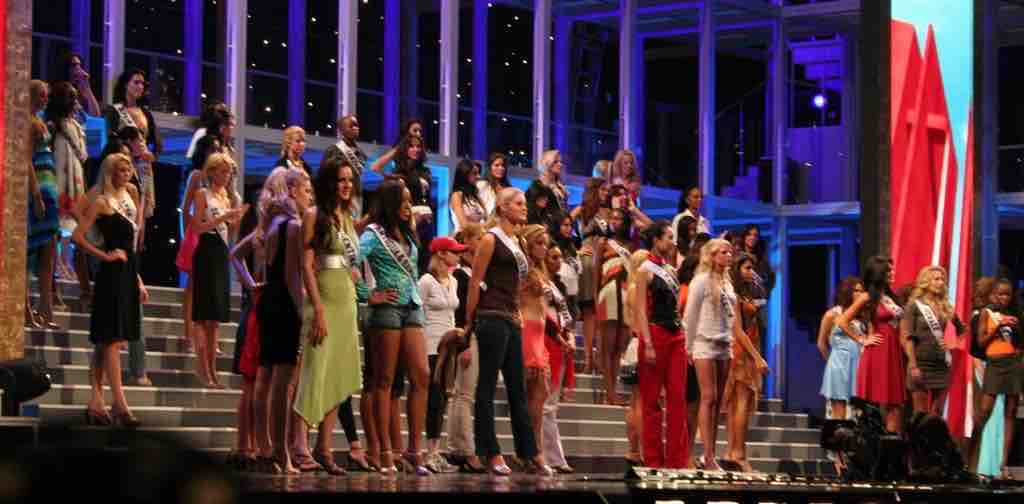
[[922, 333], [293, 146], [710, 322], [534, 305], [551, 176], [623, 167], [119, 289], [211, 282]]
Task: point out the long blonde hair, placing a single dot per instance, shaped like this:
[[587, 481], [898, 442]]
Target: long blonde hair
[[538, 270], [504, 197], [291, 135], [546, 160], [105, 185], [275, 199], [939, 304], [717, 281], [620, 158]]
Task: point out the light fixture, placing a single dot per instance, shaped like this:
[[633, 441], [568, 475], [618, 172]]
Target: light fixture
[[820, 101]]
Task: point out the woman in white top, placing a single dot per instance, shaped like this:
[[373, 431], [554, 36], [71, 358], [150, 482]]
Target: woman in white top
[[465, 203], [439, 292], [496, 180], [689, 206], [710, 327]]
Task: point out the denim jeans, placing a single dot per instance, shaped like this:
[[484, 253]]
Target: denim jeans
[[500, 345]]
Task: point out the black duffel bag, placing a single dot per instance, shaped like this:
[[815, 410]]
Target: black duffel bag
[[22, 380]]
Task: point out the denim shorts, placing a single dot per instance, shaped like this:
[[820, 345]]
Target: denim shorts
[[396, 318]]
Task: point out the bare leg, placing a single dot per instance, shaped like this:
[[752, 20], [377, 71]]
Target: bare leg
[[46, 284], [633, 422], [739, 419], [199, 341], [610, 361], [938, 401], [838, 409], [710, 391], [212, 328], [261, 411], [186, 315], [981, 416], [536, 394], [281, 377], [112, 362], [919, 398], [894, 419], [245, 418], [692, 411], [324, 432], [96, 366], [367, 408], [414, 355], [589, 327], [385, 359], [1009, 417]]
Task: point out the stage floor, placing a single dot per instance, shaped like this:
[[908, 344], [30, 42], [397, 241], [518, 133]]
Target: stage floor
[[601, 488]]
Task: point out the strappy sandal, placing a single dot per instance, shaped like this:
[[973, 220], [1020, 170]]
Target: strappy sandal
[[327, 463], [305, 462]]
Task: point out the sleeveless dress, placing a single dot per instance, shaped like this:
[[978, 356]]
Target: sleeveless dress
[[881, 374], [743, 370], [843, 360], [42, 230], [472, 209], [279, 318], [116, 301], [211, 281], [331, 371], [614, 280], [592, 230]]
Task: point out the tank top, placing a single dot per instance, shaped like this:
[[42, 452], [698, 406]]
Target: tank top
[[661, 296], [499, 295]]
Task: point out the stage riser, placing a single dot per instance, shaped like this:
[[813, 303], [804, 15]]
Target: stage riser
[[150, 309], [228, 400], [165, 417]]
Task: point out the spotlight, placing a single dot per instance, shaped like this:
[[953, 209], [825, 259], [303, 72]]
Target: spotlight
[[820, 101]]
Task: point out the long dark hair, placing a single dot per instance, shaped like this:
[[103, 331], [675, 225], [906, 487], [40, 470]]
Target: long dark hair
[[844, 297], [404, 165], [567, 244], [407, 124], [682, 205], [385, 208], [534, 213], [61, 105], [759, 248], [683, 237], [122, 84], [462, 184], [876, 281], [490, 177], [743, 287], [325, 192]]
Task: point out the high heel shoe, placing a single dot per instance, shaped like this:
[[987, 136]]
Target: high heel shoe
[[93, 417], [127, 420], [538, 468], [328, 464], [32, 318], [412, 466], [358, 464]]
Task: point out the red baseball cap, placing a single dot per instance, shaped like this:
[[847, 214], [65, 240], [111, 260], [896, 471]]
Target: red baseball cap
[[445, 243]]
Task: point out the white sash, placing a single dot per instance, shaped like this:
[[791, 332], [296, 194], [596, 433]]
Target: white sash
[[124, 116], [935, 327], [897, 312], [555, 297], [395, 250], [574, 263], [662, 273], [351, 248], [522, 265], [619, 249]]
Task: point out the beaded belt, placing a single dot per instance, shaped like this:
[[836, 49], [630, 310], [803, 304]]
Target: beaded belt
[[332, 261]]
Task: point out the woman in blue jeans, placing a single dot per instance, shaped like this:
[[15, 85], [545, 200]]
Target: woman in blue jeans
[[499, 268], [389, 246]]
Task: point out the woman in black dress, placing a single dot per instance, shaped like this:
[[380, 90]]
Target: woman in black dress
[[211, 282], [118, 289]]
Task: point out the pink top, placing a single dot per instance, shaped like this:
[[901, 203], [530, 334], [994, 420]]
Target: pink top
[[535, 354]]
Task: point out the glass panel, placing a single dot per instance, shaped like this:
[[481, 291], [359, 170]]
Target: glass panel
[[268, 37], [320, 110], [1011, 168], [96, 21], [371, 49], [369, 105], [430, 114], [53, 17], [213, 89], [321, 45], [155, 25], [465, 133], [48, 57], [265, 101], [509, 68], [213, 36], [512, 135], [163, 76], [586, 147]]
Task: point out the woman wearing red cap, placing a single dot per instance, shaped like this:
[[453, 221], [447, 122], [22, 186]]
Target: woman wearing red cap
[[438, 290]]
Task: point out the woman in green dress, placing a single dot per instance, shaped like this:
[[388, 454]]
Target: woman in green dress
[[331, 365]]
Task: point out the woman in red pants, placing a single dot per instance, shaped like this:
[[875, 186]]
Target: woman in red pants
[[662, 352]]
